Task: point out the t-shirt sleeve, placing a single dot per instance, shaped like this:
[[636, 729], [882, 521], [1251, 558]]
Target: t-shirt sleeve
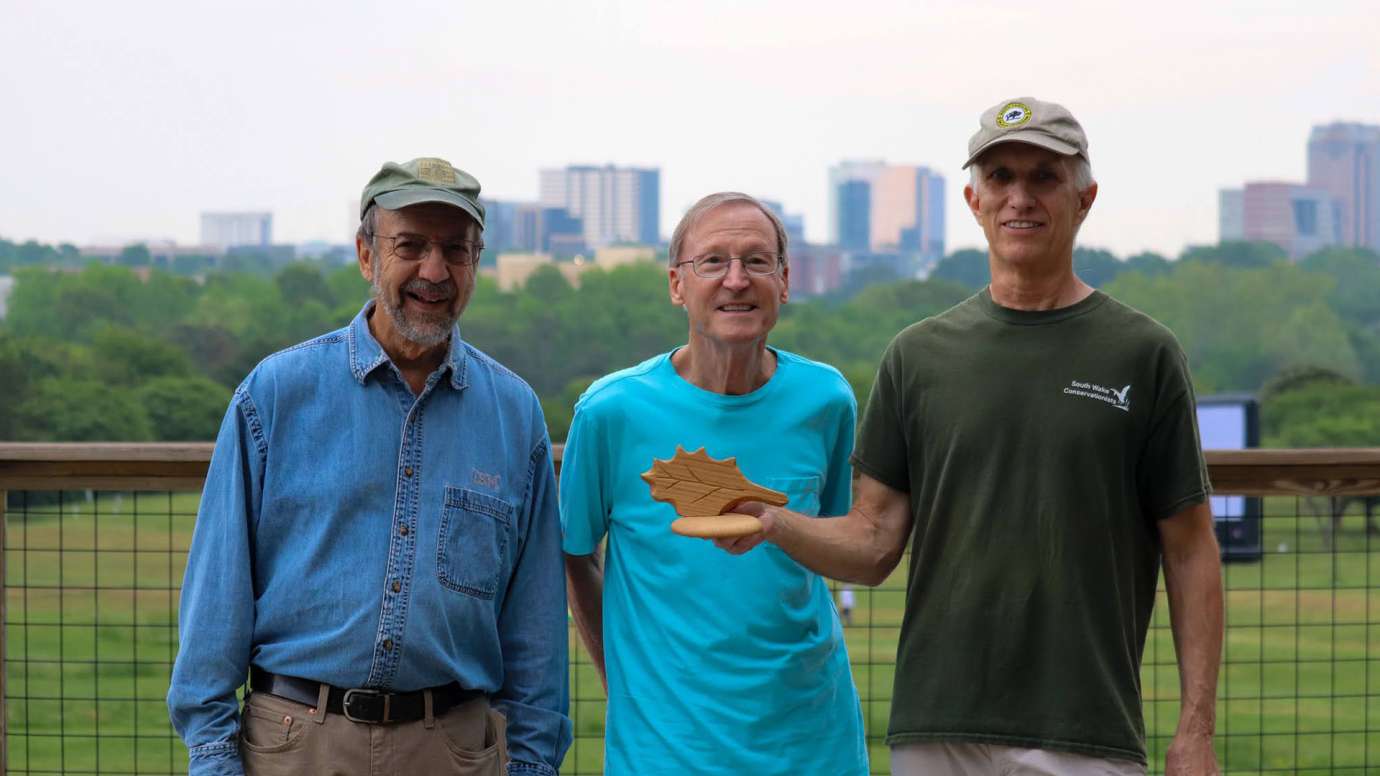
[[1173, 474], [881, 451], [837, 494], [584, 485]]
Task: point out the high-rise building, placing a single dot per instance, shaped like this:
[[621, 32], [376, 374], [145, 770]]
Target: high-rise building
[[794, 223], [615, 204], [1344, 161], [854, 228], [887, 208], [528, 227], [233, 230], [815, 269], [1230, 216], [1299, 219]]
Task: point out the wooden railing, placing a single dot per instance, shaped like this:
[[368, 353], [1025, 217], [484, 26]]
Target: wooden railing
[[182, 466]]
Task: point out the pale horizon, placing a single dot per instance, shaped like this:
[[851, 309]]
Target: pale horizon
[[126, 122]]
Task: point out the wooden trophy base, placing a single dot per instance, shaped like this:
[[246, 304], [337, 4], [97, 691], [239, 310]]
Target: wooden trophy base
[[727, 526]]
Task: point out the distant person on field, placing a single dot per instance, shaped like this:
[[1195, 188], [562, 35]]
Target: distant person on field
[[378, 545], [847, 600], [1037, 445], [714, 665]]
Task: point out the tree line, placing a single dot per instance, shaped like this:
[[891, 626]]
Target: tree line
[[107, 353]]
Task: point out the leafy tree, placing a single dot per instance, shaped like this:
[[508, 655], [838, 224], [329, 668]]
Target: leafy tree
[[14, 255], [1298, 378], [1356, 294], [1240, 326], [1237, 254], [192, 264], [865, 277], [560, 409], [16, 379], [349, 290], [1148, 264], [184, 409], [78, 410], [134, 256], [1096, 267], [1323, 414], [216, 351], [967, 267], [301, 282], [122, 356]]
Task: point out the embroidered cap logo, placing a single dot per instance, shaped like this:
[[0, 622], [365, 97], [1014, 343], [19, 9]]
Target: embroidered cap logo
[[1013, 114]]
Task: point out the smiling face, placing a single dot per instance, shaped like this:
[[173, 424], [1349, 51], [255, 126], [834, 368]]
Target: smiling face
[[1027, 203], [421, 299], [738, 308]]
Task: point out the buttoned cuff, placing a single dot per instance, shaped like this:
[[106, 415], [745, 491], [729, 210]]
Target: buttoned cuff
[[219, 758], [517, 768]]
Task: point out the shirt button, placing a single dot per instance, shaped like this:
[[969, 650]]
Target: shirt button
[[397, 586], [407, 471], [402, 529], [387, 645]]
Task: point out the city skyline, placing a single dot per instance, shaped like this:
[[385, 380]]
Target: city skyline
[[142, 116], [1337, 205]]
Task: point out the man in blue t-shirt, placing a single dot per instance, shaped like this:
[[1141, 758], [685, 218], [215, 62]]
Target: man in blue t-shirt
[[714, 664]]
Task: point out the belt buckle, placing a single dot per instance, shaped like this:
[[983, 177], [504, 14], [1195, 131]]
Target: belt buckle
[[372, 709]]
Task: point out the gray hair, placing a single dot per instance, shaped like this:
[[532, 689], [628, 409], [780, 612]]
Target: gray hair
[[698, 210], [367, 223], [1078, 166]]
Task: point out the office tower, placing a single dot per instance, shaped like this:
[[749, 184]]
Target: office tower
[[1344, 161], [1300, 219], [815, 269], [793, 222], [615, 204], [1230, 215], [887, 208], [234, 230], [528, 227]]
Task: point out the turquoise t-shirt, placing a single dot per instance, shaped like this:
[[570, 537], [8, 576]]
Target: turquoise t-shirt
[[717, 664]]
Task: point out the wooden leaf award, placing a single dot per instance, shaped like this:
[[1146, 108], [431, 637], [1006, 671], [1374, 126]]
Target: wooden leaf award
[[703, 490]]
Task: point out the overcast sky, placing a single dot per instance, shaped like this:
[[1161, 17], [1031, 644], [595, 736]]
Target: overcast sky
[[126, 120]]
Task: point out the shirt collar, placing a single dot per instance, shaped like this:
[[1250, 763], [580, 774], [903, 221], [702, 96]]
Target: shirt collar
[[366, 354]]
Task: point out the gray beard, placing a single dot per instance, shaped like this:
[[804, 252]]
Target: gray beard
[[422, 329]]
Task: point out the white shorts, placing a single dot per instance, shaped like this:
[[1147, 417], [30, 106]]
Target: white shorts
[[965, 759]]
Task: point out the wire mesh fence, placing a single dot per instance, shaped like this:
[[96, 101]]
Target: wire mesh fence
[[91, 590]]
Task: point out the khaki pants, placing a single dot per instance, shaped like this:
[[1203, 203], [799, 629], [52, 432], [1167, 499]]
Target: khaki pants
[[962, 759], [279, 737]]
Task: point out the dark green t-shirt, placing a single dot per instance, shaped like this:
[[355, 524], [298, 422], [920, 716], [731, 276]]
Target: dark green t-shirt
[[1038, 449]]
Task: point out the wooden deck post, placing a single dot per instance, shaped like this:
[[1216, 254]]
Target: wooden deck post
[[4, 635]]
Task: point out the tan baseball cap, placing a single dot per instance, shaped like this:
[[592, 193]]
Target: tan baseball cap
[[1028, 120], [427, 179]]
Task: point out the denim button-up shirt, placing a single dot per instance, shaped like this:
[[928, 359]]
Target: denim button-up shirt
[[353, 533]]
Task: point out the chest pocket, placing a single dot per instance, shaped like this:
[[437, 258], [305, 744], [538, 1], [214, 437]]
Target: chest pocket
[[803, 492], [476, 529]]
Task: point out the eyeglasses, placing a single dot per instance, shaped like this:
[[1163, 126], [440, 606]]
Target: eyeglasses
[[414, 247], [712, 266]]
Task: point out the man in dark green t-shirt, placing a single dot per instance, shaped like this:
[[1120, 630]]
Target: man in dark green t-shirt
[[1040, 439]]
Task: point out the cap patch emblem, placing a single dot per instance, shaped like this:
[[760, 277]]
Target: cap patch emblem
[[1013, 114], [437, 171]]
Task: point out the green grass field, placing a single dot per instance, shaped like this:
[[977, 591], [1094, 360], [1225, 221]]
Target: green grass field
[[92, 599]]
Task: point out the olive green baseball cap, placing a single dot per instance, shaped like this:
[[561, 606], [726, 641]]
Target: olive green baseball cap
[[1028, 120], [427, 179]]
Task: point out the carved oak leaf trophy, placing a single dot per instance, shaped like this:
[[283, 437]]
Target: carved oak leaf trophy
[[703, 490]]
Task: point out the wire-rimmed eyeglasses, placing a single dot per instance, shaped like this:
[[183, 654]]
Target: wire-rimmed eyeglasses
[[714, 266], [415, 247]]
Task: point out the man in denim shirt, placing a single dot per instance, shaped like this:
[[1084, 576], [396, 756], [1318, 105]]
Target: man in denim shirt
[[378, 547]]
